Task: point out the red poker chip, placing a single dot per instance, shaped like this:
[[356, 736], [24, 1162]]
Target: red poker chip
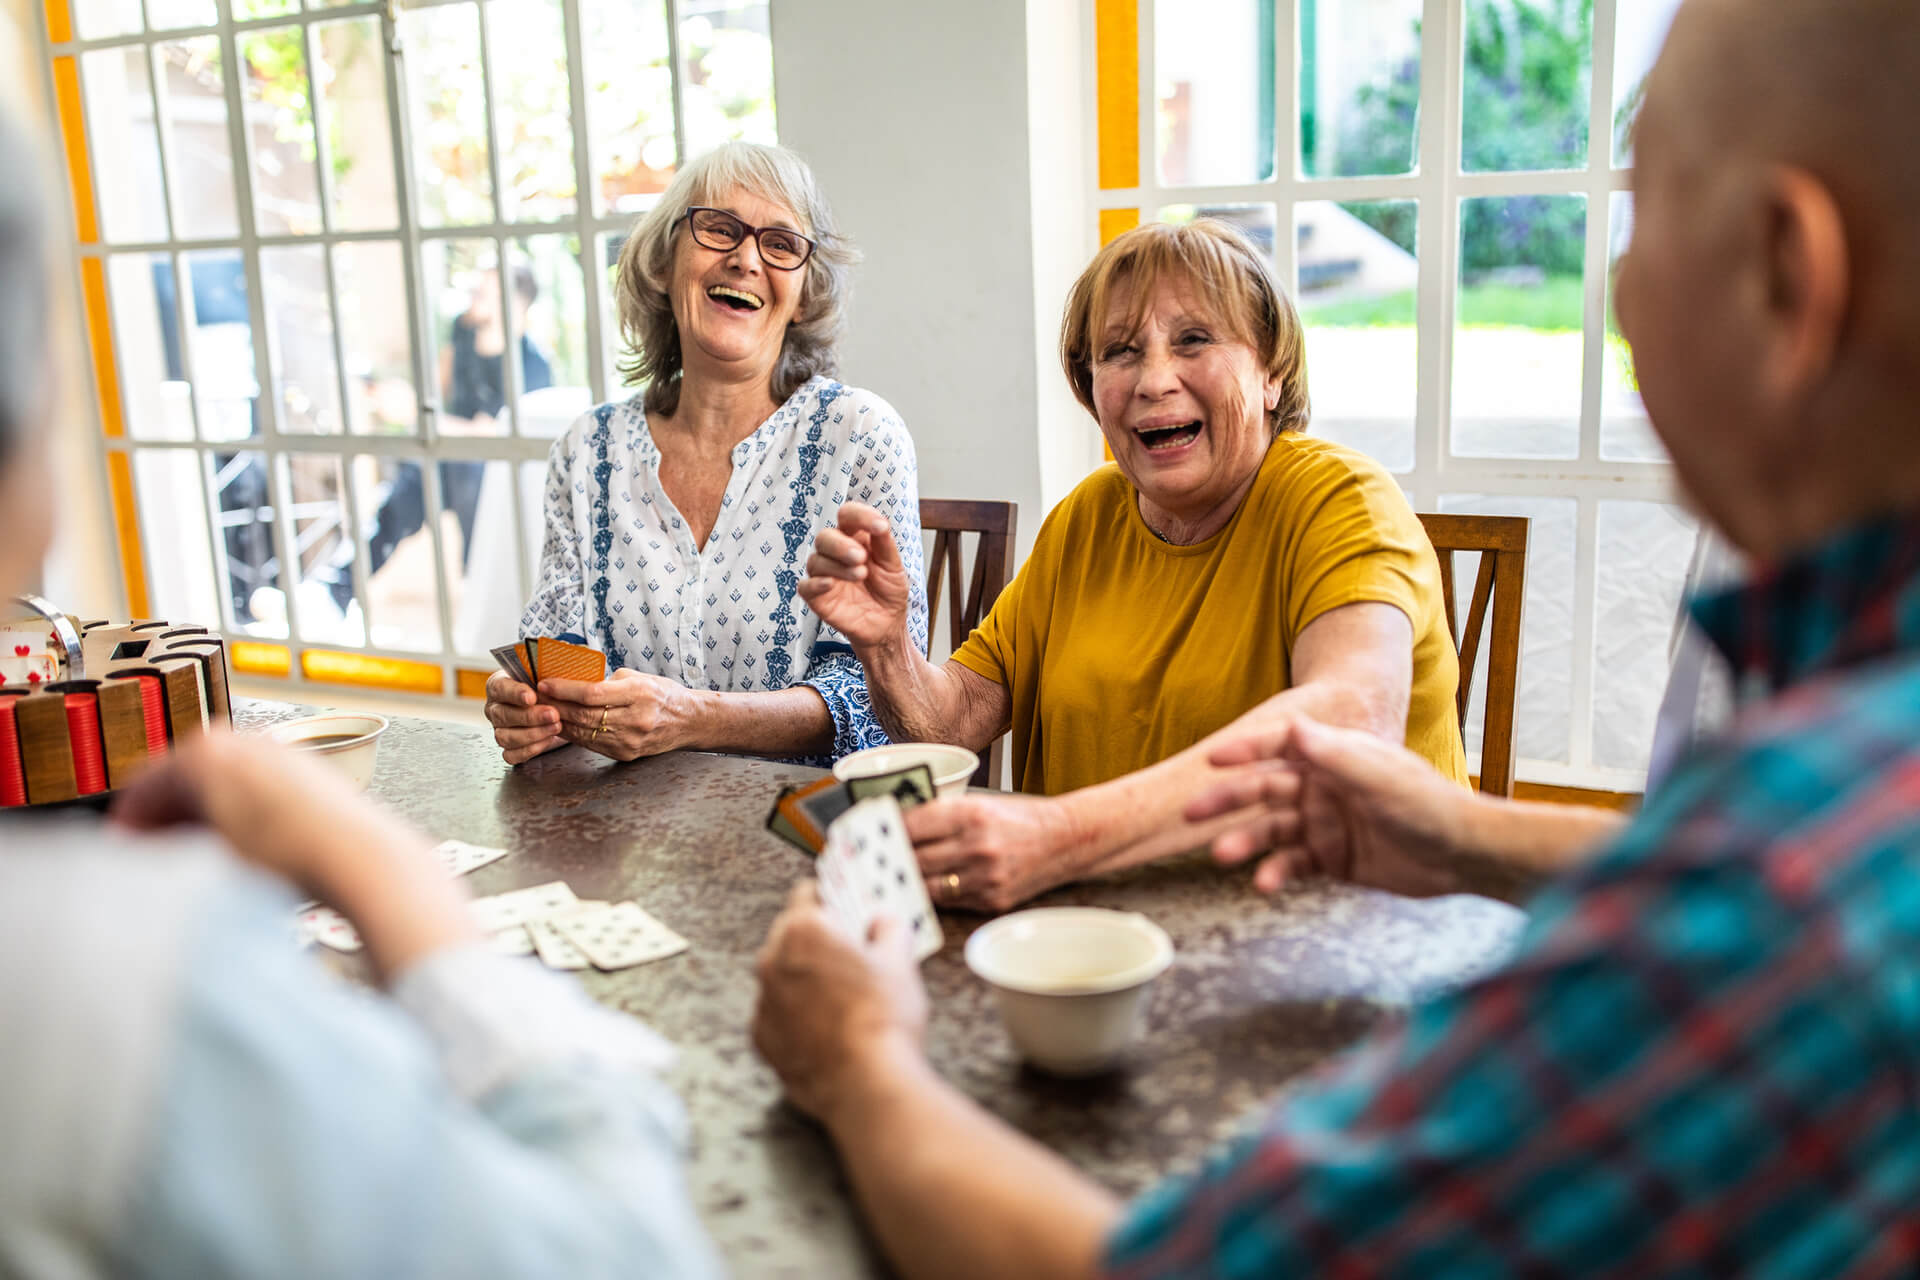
[[153, 711], [83, 732], [13, 780]]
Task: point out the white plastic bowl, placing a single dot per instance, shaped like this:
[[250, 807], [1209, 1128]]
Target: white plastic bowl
[[350, 740], [1071, 981], [952, 767]]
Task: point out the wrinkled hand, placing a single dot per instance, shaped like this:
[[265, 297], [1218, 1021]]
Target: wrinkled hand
[[282, 810], [628, 715], [522, 727], [855, 581], [830, 1007], [1341, 803], [989, 852]]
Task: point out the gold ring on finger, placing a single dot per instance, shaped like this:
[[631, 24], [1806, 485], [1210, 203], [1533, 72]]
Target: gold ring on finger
[[953, 884], [603, 721]]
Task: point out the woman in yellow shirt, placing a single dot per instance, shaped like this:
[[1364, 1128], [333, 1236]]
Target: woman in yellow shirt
[[1226, 570]]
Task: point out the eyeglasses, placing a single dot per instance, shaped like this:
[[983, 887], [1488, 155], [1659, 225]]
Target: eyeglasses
[[780, 248]]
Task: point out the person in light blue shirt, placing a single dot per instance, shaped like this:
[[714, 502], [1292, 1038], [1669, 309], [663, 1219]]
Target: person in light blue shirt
[[183, 1094]]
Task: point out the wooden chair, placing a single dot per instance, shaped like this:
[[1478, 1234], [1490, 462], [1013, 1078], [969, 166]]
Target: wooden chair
[[1501, 584], [950, 520]]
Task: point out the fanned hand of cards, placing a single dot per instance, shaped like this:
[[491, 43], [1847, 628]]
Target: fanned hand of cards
[[801, 815], [551, 658], [867, 870]]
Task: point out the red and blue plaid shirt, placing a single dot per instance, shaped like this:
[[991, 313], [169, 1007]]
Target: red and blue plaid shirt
[[1702, 1059]]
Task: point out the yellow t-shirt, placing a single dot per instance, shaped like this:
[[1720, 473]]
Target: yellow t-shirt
[[1120, 650]]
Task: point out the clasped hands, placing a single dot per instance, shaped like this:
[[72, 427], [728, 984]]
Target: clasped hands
[[626, 716]]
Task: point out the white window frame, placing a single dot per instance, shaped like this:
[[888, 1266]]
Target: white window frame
[[1439, 184], [426, 446]]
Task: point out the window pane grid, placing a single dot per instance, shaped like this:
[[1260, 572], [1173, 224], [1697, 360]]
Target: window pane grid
[[1441, 191], [276, 515]]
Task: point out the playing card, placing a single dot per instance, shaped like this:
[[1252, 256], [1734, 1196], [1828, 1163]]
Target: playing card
[[511, 942], [778, 823], [510, 663], [909, 786], [28, 669], [459, 857], [554, 949], [329, 928], [562, 660], [524, 652], [868, 869], [800, 825], [837, 892], [820, 804], [619, 937], [504, 910]]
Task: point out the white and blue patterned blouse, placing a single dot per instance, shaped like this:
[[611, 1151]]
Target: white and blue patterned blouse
[[620, 568]]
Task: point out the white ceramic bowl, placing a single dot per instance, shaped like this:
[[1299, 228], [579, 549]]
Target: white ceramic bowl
[[347, 739], [1072, 981], [952, 767]]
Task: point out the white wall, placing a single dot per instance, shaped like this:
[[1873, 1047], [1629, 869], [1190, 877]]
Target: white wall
[[915, 119]]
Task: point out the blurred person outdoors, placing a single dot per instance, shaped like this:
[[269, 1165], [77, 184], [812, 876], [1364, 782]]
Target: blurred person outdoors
[[678, 521], [1701, 1058], [1228, 569], [473, 391], [184, 1094]]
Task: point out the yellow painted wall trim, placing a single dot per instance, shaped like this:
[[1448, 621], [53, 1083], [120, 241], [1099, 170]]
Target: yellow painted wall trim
[[257, 659], [106, 378], [469, 683], [73, 135], [126, 519], [59, 22], [1115, 222], [336, 667], [1116, 42]]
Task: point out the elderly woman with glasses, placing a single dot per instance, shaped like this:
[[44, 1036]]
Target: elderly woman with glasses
[[1228, 570], [679, 521]]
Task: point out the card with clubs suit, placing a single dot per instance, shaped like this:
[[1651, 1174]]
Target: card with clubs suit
[[868, 870]]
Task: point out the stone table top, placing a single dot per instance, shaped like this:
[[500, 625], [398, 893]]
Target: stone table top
[[1259, 992]]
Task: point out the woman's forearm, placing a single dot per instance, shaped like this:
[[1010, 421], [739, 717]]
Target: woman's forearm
[[952, 1192], [788, 722], [915, 700]]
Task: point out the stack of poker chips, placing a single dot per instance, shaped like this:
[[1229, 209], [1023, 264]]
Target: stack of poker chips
[[148, 686]]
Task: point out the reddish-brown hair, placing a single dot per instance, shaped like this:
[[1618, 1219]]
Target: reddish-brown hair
[[1220, 265]]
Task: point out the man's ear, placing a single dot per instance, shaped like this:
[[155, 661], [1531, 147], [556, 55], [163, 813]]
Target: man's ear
[[1806, 280]]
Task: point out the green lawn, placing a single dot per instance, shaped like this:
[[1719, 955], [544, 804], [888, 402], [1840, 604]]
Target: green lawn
[[1557, 305]]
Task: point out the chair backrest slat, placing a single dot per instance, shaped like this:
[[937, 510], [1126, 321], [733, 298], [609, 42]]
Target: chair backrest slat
[[949, 520], [1499, 595]]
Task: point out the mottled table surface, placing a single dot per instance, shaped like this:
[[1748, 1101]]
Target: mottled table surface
[[1259, 991]]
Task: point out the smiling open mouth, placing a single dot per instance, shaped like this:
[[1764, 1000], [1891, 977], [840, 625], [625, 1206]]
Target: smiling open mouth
[[1156, 438], [735, 298]]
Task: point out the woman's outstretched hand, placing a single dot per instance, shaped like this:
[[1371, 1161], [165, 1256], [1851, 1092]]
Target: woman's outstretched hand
[[855, 581]]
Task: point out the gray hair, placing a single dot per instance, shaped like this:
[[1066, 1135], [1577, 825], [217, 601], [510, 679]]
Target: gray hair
[[646, 266], [23, 285]]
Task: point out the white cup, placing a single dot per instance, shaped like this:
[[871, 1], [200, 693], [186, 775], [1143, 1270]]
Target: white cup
[[1071, 981], [952, 767], [348, 740]]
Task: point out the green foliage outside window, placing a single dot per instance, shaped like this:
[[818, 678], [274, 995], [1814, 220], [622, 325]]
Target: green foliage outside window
[[1525, 97]]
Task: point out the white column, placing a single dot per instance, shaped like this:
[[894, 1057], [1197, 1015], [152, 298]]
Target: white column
[[915, 119]]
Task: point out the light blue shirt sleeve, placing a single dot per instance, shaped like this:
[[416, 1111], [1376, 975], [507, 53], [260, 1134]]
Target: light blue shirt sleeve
[[308, 1128]]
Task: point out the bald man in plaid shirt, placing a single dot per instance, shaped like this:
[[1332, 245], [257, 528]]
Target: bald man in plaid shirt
[[1702, 1058]]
